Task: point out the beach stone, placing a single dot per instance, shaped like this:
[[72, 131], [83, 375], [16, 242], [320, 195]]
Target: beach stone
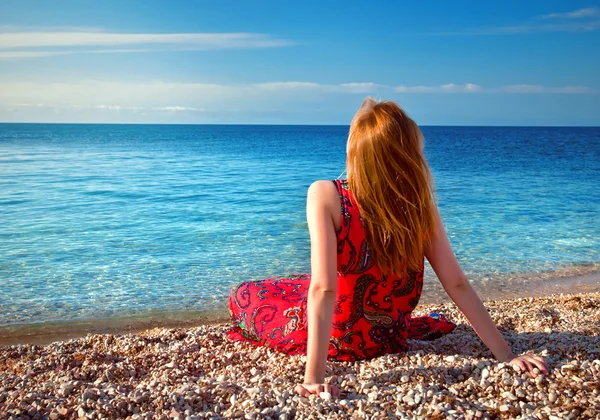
[[408, 400], [208, 386], [174, 414], [368, 385], [89, 394], [66, 389], [326, 396], [253, 391]]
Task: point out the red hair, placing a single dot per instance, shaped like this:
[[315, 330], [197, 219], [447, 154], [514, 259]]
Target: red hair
[[392, 184]]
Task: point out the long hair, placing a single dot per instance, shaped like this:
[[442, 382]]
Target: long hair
[[391, 182]]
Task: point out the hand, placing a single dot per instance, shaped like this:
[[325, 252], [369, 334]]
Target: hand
[[528, 362], [305, 390]]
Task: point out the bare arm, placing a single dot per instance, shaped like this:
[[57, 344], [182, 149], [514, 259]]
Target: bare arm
[[323, 286], [444, 263]]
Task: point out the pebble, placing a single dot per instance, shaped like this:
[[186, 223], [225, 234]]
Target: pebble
[[195, 373], [326, 396]]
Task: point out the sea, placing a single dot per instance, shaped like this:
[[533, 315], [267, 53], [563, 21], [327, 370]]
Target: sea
[[138, 222]]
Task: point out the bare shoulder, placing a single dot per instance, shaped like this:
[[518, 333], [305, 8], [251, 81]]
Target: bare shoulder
[[324, 199], [323, 193]]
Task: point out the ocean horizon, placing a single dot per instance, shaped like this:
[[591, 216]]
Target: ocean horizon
[[113, 221]]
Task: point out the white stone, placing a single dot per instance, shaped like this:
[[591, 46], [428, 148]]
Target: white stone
[[252, 391], [325, 395]]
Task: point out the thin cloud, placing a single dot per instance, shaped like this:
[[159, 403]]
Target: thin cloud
[[287, 85], [581, 20], [589, 26], [588, 12], [197, 97], [116, 108], [361, 87], [177, 109], [32, 44], [19, 55], [30, 28], [366, 87], [537, 89], [447, 88]]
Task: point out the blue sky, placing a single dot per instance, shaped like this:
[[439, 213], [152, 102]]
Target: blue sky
[[312, 62]]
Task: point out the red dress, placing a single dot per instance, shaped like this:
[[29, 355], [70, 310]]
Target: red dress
[[372, 314]]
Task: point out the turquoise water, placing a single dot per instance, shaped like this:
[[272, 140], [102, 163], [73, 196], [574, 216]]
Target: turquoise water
[[100, 221]]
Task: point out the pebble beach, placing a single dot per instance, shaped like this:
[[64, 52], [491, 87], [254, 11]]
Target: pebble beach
[[194, 373]]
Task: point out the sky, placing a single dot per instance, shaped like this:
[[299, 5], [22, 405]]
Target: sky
[[306, 62]]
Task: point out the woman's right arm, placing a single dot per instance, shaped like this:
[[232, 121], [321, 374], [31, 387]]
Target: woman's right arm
[[443, 261]]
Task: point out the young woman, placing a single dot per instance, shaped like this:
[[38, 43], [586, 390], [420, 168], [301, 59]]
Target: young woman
[[369, 237]]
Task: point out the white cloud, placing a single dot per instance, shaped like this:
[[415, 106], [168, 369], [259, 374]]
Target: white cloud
[[447, 88], [32, 44], [105, 107], [366, 87], [205, 97], [177, 109], [78, 39], [361, 87], [287, 85], [581, 20], [588, 12], [543, 89], [17, 55], [523, 89], [587, 26]]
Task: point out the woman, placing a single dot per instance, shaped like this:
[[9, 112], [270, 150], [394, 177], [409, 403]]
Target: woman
[[369, 236]]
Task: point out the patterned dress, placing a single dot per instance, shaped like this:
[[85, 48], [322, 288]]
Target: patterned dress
[[372, 313]]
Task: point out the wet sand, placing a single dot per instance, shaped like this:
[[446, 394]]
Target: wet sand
[[192, 373]]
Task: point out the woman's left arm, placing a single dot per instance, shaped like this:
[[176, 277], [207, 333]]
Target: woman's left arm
[[323, 287]]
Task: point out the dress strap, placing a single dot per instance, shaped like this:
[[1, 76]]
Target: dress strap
[[345, 201]]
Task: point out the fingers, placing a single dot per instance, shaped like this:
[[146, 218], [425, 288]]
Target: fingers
[[536, 362], [540, 363], [333, 390], [529, 363], [305, 390]]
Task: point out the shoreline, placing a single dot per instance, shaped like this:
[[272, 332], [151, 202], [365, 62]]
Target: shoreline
[[587, 280], [197, 373]]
